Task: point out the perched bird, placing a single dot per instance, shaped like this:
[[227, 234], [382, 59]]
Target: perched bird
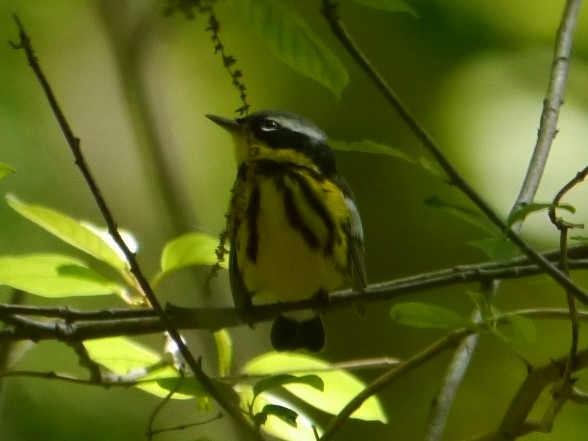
[[293, 224]]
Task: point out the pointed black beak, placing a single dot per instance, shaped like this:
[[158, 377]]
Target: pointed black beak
[[229, 124]]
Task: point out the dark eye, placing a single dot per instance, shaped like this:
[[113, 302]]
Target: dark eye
[[269, 125]]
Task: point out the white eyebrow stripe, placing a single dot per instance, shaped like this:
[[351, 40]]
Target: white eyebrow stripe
[[301, 126]]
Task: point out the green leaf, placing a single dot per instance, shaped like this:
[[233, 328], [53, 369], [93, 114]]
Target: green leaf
[[422, 315], [224, 349], [183, 385], [367, 146], [534, 207], [54, 275], [483, 305], [70, 231], [388, 5], [124, 357], [339, 385], [5, 170], [496, 248], [271, 418], [473, 217], [431, 165], [286, 415], [189, 250], [580, 238], [281, 380], [515, 329], [290, 38]]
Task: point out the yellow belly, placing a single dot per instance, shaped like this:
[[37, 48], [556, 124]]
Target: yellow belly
[[287, 268]]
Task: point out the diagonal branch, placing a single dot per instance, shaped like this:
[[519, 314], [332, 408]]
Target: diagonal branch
[[547, 130], [455, 178], [74, 143]]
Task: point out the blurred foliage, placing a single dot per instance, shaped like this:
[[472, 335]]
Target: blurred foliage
[[135, 83]]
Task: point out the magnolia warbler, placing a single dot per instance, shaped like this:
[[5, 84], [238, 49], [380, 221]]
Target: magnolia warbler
[[293, 224]]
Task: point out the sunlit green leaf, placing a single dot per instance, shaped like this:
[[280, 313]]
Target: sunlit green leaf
[[535, 207], [224, 349], [339, 385], [284, 379], [272, 423], [472, 216], [497, 249], [367, 146], [53, 275], [183, 385], [5, 170], [290, 38], [388, 5], [127, 358], [422, 315], [189, 249], [69, 230]]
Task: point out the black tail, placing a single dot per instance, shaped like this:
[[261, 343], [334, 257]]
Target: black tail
[[289, 335]]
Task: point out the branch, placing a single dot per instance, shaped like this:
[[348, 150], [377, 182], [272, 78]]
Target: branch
[[547, 130], [75, 325], [455, 178], [514, 422], [74, 144], [553, 102], [450, 340]]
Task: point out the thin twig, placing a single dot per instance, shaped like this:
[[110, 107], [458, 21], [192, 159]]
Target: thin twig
[[455, 178], [448, 341], [74, 144], [563, 389], [547, 130], [514, 422]]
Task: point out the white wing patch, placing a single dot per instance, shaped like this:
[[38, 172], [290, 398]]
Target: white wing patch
[[356, 228]]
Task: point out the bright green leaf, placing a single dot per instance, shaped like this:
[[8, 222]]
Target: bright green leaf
[[496, 248], [367, 146], [189, 249], [388, 5], [534, 207], [224, 349], [422, 315], [5, 170], [70, 231], [183, 385], [125, 357], [274, 424], [281, 380], [474, 217], [339, 385], [290, 38], [53, 275]]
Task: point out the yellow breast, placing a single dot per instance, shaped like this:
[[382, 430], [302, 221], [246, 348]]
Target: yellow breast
[[289, 236]]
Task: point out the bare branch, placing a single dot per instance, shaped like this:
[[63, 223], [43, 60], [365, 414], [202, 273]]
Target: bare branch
[[455, 178], [74, 144], [74, 325]]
